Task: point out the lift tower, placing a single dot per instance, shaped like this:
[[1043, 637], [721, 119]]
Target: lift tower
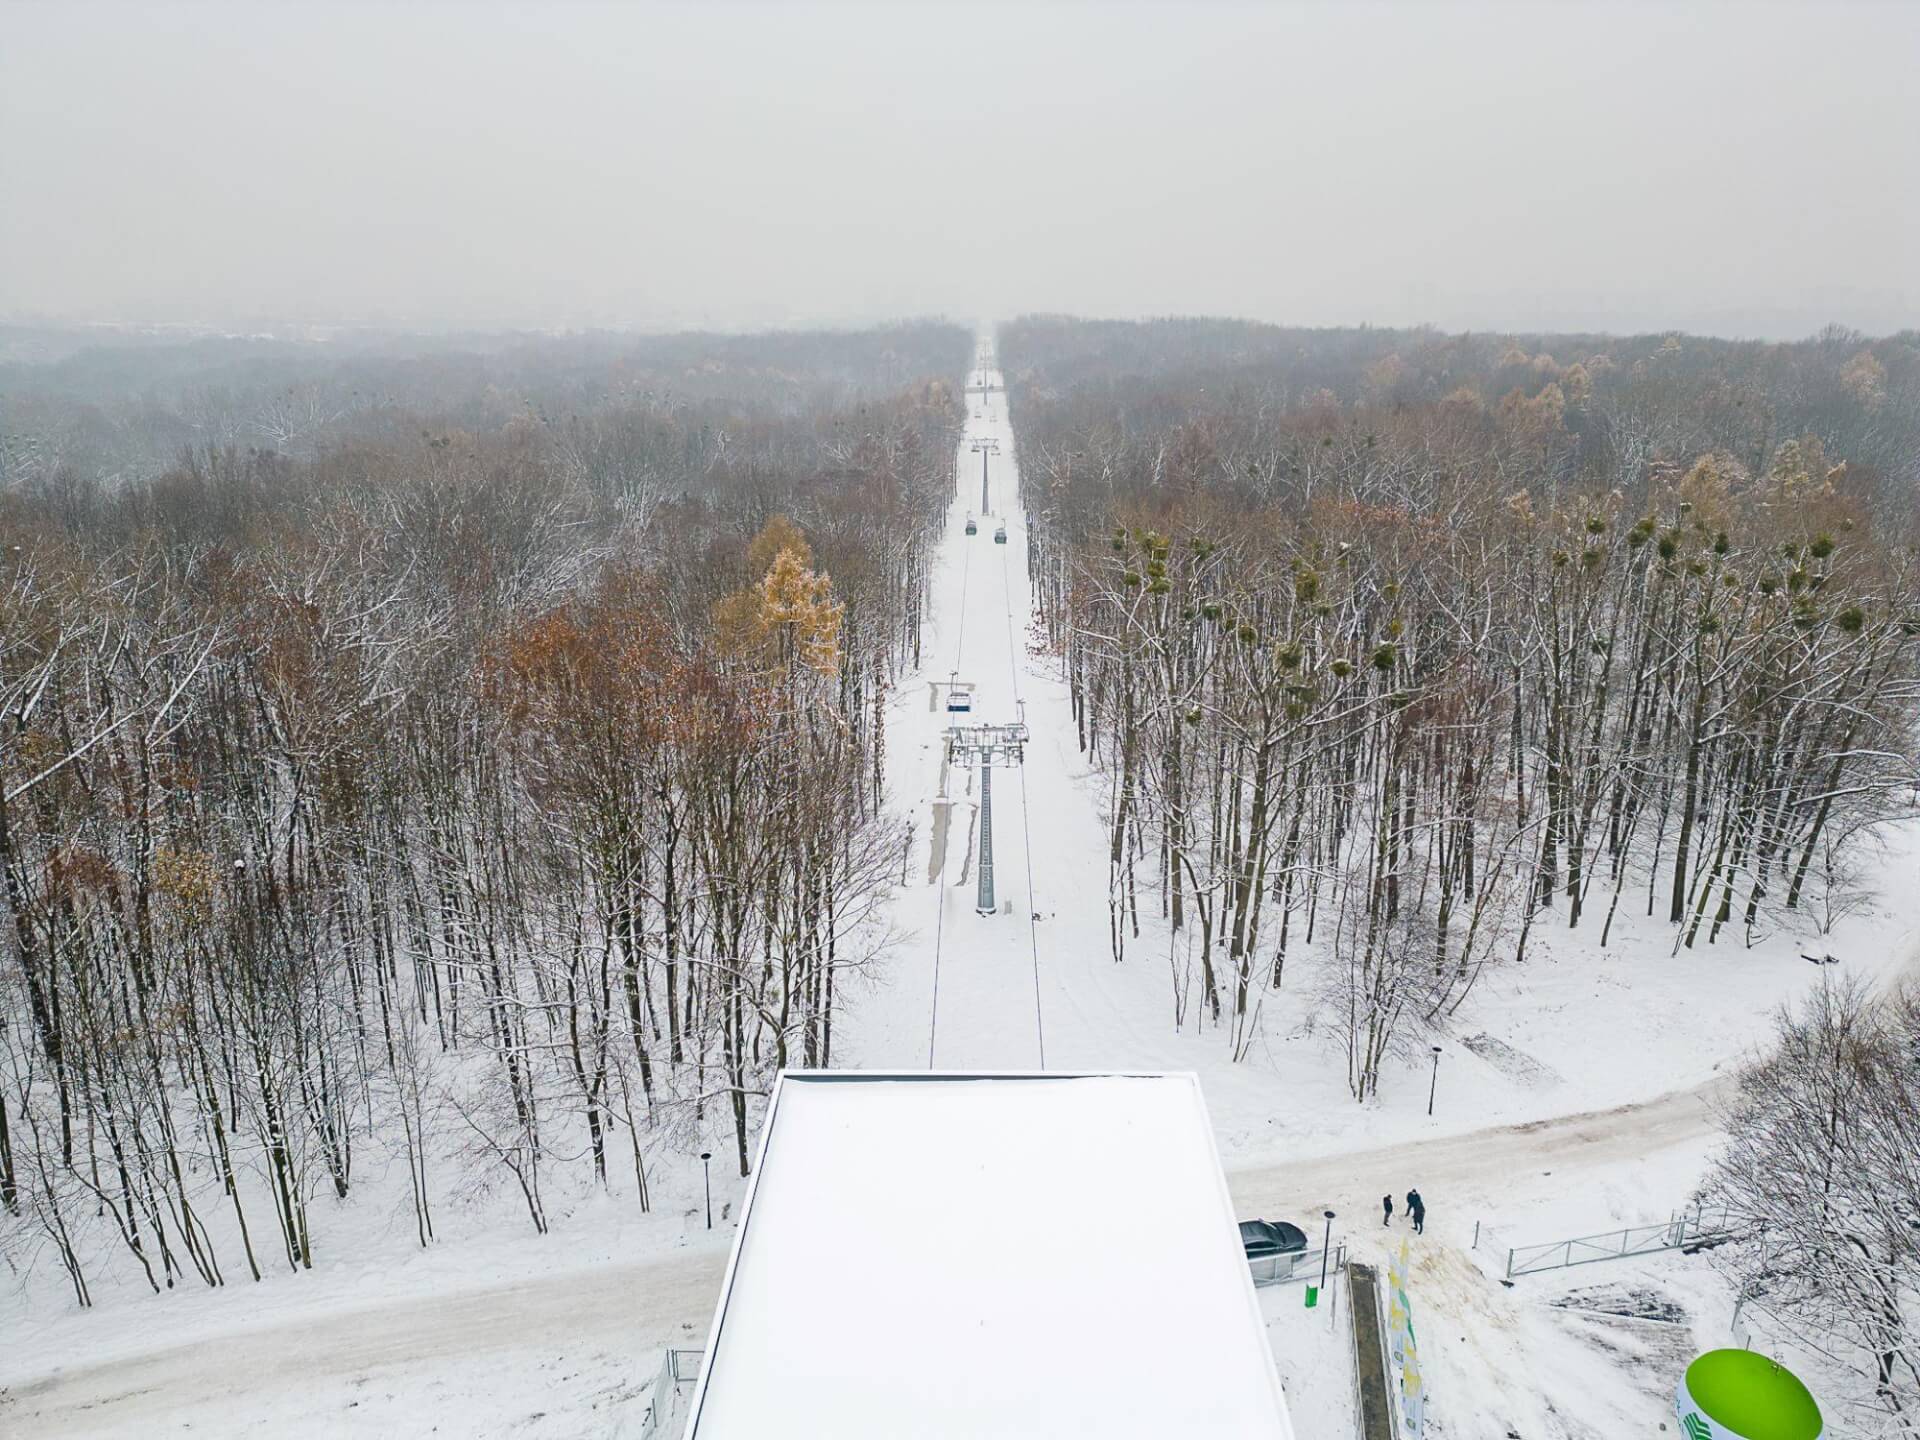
[[987, 746], [985, 448]]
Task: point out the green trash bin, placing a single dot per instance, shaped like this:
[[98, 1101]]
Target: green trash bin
[[1313, 1296]]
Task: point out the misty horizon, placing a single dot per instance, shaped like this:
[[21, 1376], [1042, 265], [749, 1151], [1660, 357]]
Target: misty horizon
[[1730, 170]]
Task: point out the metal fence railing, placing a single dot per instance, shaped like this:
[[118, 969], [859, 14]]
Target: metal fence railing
[[1296, 1265], [1686, 1227], [679, 1372]]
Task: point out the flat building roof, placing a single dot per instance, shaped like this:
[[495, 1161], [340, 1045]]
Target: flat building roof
[[951, 1255]]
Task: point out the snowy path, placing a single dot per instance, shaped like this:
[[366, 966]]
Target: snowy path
[[534, 1357], [1473, 1169], [566, 1344], [967, 993]]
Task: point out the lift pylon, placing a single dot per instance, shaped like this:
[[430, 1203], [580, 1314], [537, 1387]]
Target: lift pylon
[[987, 746], [984, 449]]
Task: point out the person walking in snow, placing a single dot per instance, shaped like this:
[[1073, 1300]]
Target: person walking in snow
[[1417, 1208], [1386, 1204]]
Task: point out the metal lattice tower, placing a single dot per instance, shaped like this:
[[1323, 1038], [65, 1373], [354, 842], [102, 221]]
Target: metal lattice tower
[[988, 746], [984, 904], [985, 448]]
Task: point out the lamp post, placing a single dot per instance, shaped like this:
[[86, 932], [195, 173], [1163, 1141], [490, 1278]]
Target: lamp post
[[1434, 1084], [1326, 1248], [706, 1156]]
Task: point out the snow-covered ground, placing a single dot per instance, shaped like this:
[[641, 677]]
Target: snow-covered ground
[[1574, 1096]]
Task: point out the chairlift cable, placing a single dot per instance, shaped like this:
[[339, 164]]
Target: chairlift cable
[[960, 636], [1026, 829], [1013, 654], [939, 918], [939, 883], [1033, 922]]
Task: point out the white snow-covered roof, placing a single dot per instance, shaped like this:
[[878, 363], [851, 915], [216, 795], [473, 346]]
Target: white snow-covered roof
[[942, 1255]]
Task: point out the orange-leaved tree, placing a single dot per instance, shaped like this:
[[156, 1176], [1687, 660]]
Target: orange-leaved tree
[[789, 617]]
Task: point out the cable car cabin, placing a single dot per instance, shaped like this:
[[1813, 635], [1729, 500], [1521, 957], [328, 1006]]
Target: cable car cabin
[[972, 529], [959, 698], [1000, 535]]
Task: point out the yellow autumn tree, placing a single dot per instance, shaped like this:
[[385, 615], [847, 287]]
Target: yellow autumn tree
[[1535, 421], [1865, 379], [789, 617], [776, 535], [798, 609]]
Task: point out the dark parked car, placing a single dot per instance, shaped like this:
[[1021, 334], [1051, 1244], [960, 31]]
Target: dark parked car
[[1271, 1237]]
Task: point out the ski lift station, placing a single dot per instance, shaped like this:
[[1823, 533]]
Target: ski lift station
[[948, 1255]]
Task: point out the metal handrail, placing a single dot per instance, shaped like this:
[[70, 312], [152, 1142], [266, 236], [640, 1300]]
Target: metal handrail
[[1684, 1228], [1285, 1268], [677, 1368]]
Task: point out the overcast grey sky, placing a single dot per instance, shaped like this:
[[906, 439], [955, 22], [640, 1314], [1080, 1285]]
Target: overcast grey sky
[[1749, 168]]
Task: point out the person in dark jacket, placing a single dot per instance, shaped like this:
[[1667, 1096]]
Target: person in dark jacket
[[1386, 1204], [1417, 1208]]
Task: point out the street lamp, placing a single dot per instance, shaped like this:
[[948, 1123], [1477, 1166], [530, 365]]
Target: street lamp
[[706, 1156], [1326, 1249], [1434, 1084]]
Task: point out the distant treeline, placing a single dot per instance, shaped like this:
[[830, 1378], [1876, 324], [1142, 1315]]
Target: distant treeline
[[112, 408]]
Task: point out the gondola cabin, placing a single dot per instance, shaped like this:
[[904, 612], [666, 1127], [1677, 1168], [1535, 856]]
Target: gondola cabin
[[1000, 535], [959, 698], [972, 529]]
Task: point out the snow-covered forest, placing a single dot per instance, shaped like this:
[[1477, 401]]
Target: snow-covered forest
[[1419, 643], [1409, 655], [571, 570], [470, 759], [446, 784]]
